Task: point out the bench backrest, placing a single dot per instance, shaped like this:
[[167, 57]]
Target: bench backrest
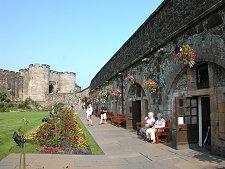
[[167, 124]]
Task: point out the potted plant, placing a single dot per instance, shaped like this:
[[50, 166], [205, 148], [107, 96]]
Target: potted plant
[[186, 55], [150, 86]]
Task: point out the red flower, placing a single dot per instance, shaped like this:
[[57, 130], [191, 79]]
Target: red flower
[[42, 135], [75, 139], [36, 149], [70, 127]]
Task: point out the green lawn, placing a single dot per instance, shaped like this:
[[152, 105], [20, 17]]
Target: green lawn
[[9, 122]]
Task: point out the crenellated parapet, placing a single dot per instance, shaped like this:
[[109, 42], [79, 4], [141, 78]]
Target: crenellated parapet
[[36, 65], [36, 82], [8, 74]]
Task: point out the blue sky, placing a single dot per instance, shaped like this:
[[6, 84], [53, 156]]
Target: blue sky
[[69, 35]]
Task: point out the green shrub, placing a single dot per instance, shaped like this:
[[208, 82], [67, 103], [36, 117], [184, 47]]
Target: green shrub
[[58, 107]]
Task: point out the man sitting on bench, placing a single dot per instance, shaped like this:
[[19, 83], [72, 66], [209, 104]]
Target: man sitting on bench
[[150, 120]]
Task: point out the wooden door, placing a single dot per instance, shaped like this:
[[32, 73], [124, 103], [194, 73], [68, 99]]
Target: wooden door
[[129, 114], [187, 120], [136, 113]]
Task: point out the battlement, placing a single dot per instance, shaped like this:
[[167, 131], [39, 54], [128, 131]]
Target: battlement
[[72, 73], [39, 65], [23, 70], [7, 71], [54, 72]]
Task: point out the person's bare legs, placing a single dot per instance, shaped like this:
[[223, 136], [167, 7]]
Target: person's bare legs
[[90, 121], [101, 119], [105, 120]]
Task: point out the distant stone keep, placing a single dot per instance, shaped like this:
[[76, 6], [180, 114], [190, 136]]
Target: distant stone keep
[[40, 84]]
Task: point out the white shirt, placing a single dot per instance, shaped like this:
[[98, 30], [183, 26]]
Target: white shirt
[[160, 123], [89, 111], [149, 121]]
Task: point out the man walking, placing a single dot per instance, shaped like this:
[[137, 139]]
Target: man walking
[[103, 114]]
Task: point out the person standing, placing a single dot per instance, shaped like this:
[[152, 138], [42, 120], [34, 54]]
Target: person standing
[[89, 112], [103, 114]]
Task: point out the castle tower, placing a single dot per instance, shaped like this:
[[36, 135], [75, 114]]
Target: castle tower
[[39, 81], [67, 82]]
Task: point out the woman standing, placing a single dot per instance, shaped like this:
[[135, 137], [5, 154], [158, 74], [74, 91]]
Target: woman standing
[[89, 112]]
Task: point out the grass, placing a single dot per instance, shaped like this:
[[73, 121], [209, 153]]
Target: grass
[[9, 122], [95, 149]]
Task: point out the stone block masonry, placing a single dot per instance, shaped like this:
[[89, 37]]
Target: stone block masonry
[[38, 82]]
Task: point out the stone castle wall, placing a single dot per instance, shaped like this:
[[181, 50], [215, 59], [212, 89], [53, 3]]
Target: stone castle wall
[[36, 82], [11, 83], [169, 20], [67, 82], [148, 55], [39, 81]]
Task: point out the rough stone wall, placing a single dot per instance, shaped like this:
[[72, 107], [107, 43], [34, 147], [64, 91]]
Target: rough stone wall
[[34, 83], [10, 82], [54, 79], [39, 81], [26, 79], [69, 99], [198, 23], [170, 19], [67, 82]]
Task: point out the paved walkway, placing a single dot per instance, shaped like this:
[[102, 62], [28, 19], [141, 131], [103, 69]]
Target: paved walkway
[[123, 150]]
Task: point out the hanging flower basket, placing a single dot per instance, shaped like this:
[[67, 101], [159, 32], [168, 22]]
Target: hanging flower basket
[[150, 86], [116, 93], [130, 78], [186, 55]]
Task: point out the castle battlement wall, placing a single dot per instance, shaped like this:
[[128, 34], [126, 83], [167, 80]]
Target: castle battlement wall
[[23, 70], [36, 81], [10, 82], [67, 82], [39, 65]]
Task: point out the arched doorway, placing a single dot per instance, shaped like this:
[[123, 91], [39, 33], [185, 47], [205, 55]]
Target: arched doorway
[[192, 110], [51, 88], [136, 105]]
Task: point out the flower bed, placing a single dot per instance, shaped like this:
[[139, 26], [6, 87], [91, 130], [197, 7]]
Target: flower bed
[[61, 134]]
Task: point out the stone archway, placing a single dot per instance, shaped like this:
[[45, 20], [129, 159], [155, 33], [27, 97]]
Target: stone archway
[[136, 106], [186, 88]]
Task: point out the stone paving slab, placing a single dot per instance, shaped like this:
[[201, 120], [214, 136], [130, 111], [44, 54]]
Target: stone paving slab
[[123, 150]]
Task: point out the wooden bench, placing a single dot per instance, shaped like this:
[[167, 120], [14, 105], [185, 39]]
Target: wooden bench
[[119, 119], [139, 126], [165, 135]]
